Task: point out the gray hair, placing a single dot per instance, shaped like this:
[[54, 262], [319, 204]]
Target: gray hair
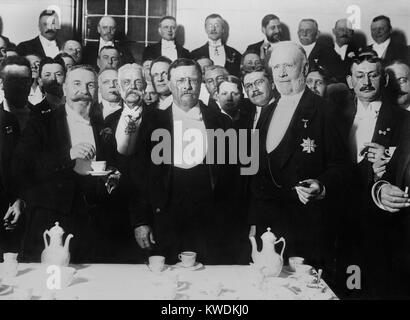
[[290, 45]]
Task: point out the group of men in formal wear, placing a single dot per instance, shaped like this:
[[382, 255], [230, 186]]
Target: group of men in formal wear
[[326, 126]]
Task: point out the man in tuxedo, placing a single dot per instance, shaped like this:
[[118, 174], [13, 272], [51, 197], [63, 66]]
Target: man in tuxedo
[[167, 47], [369, 124], [178, 207], [343, 32], [74, 49], [107, 28], [392, 235], [318, 53], [399, 83], [302, 163], [15, 77], [386, 49], [53, 161], [45, 44], [159, 76], [272, 29], [220, 53]]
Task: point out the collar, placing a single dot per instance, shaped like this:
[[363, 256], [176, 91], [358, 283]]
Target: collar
[[217, 43], [47, 43], [168, 44], [108, 108], [193, 114], [384, 44], [73, 116], [104, 43], [165, 103], [309, 47], [340, 49], [292, 99], [6, 106], [372, 109], [134, 113], [222, 110]]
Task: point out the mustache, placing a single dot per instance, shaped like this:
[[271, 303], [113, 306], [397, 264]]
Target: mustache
[[51, 31], [256, 93], [138, 93], [366, 88], [82, 97]]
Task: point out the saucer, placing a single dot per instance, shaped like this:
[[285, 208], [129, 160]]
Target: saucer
[[196, 266], [99, 173]]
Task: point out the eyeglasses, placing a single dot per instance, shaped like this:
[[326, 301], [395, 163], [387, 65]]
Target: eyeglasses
[[181, 81], [257, 84]]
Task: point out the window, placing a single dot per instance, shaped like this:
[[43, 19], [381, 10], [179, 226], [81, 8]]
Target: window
[[137, 20]]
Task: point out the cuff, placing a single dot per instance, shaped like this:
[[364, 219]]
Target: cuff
[[375, 192]]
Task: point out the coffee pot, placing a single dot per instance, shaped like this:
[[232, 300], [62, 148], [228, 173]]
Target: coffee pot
[[54, 252], [267, 259]]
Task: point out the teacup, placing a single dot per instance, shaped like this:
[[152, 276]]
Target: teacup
[[187, 258], [303, 269], [98, 166], [294, 262], [10, 257], [156, 263]]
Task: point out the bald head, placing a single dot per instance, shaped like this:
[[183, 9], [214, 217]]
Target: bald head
[[106, 28], [343, 32]]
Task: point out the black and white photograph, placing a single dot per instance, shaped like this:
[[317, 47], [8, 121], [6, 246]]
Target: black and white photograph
[[204, 150]]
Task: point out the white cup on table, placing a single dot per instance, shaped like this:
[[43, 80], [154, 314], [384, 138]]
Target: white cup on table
[[188, 258], [156, 263]]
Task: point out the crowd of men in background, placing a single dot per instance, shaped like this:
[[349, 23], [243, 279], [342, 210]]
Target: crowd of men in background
[[330, 122]]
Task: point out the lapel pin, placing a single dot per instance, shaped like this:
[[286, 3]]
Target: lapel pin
[[9, 129], [383, 132], [305, 121]]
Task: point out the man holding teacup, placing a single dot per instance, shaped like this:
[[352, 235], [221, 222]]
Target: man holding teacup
[[54, 159]]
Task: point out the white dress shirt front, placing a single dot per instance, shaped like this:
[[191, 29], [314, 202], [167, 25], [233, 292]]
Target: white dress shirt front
[[341, 51], [363, 127], [104, 43], [50, 47], [381, 48], [217, 52], [108, 109], [165, 103], [169, 49], [35, 96], [281, 118], [80, 131], [190, 139], [309, 48]]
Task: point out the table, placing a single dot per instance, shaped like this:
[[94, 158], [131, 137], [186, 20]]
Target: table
[[138, 282]]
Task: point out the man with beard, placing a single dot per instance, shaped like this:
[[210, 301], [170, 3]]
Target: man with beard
[[302, 164], [46, 44], [15, 77], [399, 82], [370, 125], [159, 76], [167, 47], [131, 86], [52, 75], [272, 29], [215, 49], [53, 160], [74, 49], [179, 207], [345, 49]]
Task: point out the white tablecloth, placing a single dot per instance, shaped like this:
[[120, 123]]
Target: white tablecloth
[[104, 281]]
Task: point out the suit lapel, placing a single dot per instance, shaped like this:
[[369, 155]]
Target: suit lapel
[[304, 113], [39, 46], [384, 126], [60, 128]]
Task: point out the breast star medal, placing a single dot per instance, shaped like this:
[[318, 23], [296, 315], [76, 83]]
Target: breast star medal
[[308, 145]]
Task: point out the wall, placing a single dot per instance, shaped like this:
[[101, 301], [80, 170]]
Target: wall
[[244, 16], [19, 18]]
